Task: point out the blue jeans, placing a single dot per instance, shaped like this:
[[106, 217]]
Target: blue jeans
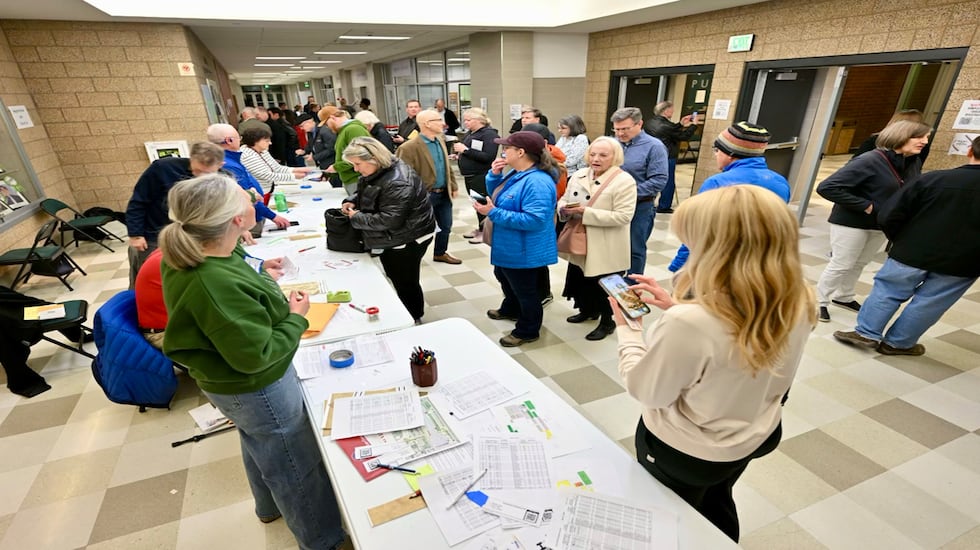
[[282, 461], [667, 195], [442, 208], [521, 298], [640, 229], [931, 293]]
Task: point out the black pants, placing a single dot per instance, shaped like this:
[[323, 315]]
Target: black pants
[[402, 266], [521, 299], [706, 486], [478, 183], [589, 298]]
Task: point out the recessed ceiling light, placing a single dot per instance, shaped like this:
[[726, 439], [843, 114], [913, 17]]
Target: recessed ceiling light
[[372, 37], [273, 64], [275, 58], [339, 53], [319, 62]]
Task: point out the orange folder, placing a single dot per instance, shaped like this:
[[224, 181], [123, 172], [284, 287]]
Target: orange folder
[[318, 316]]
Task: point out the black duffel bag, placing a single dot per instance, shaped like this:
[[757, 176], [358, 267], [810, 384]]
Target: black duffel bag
[[341, 235]]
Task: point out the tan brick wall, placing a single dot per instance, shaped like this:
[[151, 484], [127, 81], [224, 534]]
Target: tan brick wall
[[16, 90], [101, 90], [787, 29]]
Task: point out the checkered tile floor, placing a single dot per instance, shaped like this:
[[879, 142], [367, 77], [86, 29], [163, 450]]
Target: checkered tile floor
[[878, 452]]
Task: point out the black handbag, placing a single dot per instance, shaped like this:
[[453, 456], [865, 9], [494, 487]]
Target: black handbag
[[341, 235]]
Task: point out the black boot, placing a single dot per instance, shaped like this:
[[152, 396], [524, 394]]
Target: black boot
[[605, 328], [581, 318]]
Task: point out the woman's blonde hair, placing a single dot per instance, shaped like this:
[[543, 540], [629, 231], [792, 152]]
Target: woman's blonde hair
[[613, 144], [368, 149], [744, 268], [898, 133], [478, 114], [201, 210], [367, 118]]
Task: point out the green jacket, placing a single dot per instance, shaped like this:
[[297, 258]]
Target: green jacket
[[347, 134], [230, 326]]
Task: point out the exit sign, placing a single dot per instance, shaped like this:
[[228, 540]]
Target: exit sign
[[740, 43]]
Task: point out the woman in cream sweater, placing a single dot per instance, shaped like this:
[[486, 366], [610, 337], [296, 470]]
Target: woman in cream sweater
[[716, 366], [606, 215]]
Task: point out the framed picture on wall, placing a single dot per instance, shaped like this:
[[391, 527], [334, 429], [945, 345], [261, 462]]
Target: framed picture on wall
[[161, 149], [11, 197]]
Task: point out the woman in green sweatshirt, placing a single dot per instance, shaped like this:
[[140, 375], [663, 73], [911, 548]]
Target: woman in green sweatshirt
[[236, 333]]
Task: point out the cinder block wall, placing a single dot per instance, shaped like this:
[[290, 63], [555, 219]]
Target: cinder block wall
[[100, 90], [787, 29]]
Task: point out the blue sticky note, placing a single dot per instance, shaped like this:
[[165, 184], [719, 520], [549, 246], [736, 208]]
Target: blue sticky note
[[478, 497], [317, 199], [306, 187]]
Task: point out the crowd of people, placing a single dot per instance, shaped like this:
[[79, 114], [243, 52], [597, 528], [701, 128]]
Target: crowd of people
[[739, 300]]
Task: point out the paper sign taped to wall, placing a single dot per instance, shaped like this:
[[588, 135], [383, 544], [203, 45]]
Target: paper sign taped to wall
[[722, 106], [969, 116], [961, 143]]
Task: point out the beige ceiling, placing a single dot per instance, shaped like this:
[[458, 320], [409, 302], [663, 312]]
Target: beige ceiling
[[236, 40]]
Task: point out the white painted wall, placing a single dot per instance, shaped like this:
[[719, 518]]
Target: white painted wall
[[560, 55]]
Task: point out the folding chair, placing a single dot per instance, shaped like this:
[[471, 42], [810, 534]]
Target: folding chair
[[42, 258], [76, 312], [90, 226]]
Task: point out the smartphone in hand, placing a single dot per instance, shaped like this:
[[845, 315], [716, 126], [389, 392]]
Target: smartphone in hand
[[476, 197], [629, 301]]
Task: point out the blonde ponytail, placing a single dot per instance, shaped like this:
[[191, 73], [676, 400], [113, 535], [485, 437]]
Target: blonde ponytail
[[201, 210]]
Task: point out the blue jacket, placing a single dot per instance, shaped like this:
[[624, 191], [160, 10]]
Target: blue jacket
[[146, 213], [752, 171], [233, 164], [523, 219], [129, 369]]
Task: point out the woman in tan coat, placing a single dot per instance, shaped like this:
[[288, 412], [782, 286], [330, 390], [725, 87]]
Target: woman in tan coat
[[603, 196]]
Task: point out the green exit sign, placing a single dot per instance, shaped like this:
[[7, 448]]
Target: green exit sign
[[740, 43]]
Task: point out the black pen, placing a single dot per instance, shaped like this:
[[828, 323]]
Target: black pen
[[399, 468]]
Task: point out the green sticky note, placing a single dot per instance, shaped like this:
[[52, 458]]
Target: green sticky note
[[529, 405], [584, 477], [413, 480]]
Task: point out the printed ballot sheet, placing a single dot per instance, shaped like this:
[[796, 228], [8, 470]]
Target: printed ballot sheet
[[462, 520], [512, 461], [403, 446], [590, 520], [376, 413], [475, 393]]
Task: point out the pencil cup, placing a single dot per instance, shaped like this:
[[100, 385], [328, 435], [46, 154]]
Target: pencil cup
[[425, 374]]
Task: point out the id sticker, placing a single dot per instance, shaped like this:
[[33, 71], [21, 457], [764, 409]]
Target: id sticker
[[254, 263]]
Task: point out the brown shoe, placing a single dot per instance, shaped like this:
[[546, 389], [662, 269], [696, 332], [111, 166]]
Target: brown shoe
[[447, 259], [511, 341], [915, 350], [497, 316]]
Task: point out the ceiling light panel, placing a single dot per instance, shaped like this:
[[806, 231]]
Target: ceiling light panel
[[339, 53], [371, 37]]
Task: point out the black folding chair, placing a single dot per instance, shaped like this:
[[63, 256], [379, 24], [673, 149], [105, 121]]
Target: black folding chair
[[43, 258], [92, 227], [76, 312]]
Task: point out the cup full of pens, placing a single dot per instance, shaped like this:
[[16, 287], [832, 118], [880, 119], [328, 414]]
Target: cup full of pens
[[425, 370]]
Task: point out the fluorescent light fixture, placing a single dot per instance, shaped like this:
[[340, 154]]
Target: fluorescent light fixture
[[339, 53], [274, 58], [451, 59], [273, 64], [456, 64], [462, 53], [372, 37], [318, 62]]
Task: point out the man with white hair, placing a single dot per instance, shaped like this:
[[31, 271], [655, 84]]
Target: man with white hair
[[250, 118], [226, 137]]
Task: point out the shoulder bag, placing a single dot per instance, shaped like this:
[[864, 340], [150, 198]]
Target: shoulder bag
[[572, 239]]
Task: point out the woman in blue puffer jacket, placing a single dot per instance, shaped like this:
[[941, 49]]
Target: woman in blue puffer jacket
[[520, 208]]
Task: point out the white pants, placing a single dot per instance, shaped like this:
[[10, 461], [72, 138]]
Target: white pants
[[851, 249]]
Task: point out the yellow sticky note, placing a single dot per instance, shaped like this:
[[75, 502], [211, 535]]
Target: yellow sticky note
[[413, 479]]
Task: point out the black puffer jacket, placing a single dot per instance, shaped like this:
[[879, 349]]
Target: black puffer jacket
[[393, 207], [322, 147], [867, 179]]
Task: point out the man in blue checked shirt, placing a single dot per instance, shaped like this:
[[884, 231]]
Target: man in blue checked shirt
[[646, 161]]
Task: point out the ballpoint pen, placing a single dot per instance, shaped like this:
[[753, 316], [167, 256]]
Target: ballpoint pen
[[468, 487], [305, 249], [357, 308], [399, 468]]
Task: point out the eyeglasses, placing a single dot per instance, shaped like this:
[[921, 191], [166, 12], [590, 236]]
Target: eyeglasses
[[624, 129], [714, 149]]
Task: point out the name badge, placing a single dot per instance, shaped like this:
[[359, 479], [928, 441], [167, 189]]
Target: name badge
[[254, 263]]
